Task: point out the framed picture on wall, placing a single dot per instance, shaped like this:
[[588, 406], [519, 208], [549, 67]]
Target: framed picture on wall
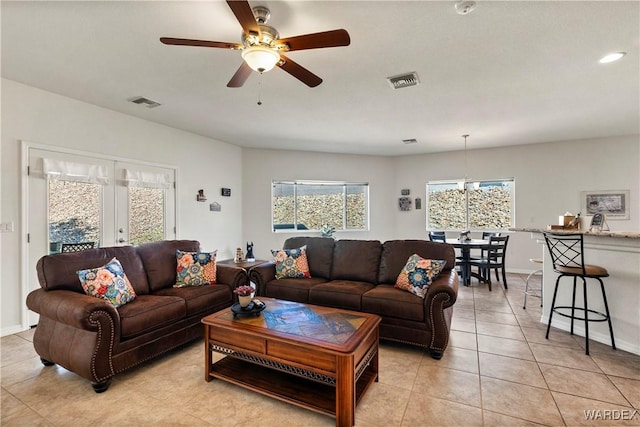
[[614, 203]]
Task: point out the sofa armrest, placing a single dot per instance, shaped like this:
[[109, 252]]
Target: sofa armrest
[[442, 294], [76, 331], [72, 308], [231, 275], [262, 274]]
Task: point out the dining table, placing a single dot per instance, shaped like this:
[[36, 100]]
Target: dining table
[[465, 247]]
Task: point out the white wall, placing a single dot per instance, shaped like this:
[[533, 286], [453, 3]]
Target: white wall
[[260, 167], [549, 178], [42, 117]]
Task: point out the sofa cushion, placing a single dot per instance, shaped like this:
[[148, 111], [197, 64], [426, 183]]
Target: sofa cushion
[[291, 263], [292, 289], [356, 260], [108, 282], [319, 253], [195, 268], [59, 271], [418, 274], [200, 299], [396, 252], [149, 313], [388, 301], [346, 294], [159, 259]]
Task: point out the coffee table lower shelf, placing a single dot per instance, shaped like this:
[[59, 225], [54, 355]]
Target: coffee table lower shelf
[[289, 388]]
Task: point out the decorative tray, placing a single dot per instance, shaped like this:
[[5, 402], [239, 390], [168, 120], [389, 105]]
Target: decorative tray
[[252, 309]]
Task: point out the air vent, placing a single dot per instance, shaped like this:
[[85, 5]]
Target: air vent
[[404, 80], [140, 100], [410, 141]]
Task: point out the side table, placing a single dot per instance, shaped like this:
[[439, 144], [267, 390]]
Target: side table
[[247, 265]]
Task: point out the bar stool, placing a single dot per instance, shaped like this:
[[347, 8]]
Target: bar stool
[[526, 284], [566, 251]]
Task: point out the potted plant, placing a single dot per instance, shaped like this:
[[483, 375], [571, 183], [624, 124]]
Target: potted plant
[[244, 294]]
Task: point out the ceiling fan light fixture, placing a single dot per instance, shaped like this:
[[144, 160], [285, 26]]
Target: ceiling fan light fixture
[[260, 58]]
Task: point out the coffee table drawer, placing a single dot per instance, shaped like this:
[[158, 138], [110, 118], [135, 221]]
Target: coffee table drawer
[[302, 355], [248, 342]]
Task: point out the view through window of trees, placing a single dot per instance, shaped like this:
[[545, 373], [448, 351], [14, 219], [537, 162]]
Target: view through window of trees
[[310, 205], [481, 205]]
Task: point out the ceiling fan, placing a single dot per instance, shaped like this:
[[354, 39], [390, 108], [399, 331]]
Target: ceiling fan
[[261, 47]]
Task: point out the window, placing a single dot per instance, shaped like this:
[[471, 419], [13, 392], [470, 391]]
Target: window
[[479, 205], [310, 205]]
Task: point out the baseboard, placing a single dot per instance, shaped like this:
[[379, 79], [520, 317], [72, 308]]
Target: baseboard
[[10, 330]]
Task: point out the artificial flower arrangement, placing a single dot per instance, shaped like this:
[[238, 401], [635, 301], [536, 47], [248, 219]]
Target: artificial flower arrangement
[[243, 291]]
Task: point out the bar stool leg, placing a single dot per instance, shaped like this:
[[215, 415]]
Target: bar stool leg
[[606, 307], [586, 316], [553, 304], [573, 302]]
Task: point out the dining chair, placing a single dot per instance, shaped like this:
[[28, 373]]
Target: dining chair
[[77, 247], [437, 236], [567, 255], [494, 259]]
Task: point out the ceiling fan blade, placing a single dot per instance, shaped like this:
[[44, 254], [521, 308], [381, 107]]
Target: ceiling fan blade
[[202, 43], [240, 76], [332, 38], [242, 10], [299, 72]]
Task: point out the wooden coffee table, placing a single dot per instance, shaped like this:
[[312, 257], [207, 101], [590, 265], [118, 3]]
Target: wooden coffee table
[[319, 358]]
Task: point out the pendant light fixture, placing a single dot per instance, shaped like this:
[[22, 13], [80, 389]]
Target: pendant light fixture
[[462, 185]]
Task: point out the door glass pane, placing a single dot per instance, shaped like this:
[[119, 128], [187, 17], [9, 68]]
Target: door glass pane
[[146, 215], [74, 213]]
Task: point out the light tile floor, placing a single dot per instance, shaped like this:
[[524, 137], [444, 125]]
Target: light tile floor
[[498, 370]]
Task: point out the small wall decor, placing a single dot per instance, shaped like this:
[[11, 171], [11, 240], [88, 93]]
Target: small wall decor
[[200, 196], [215, 207], [405, 192], [404, 203], [614, 204], [226, 192], [418, 203]]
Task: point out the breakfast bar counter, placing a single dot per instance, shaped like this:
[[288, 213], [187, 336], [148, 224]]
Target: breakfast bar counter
[[619, 253]]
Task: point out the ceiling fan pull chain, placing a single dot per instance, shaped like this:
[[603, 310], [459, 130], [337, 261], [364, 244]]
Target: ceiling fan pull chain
[[259, 89]]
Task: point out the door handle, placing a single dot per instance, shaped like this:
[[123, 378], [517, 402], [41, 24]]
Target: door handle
[[121, 240]]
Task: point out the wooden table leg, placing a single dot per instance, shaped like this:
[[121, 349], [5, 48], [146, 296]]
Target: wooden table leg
[[345, 391], [207, 355]]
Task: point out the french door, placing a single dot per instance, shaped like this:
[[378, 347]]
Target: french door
[[85, 198]]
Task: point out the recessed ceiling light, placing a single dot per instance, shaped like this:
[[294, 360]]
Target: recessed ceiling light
[[610, 57]]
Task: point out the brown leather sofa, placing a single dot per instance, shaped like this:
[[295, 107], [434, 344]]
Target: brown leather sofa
[[360, 275], [89, 336]]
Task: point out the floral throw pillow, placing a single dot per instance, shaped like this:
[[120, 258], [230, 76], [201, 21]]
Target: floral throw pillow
[[195, 268], [108, 282], [292, 263], [418, 274]]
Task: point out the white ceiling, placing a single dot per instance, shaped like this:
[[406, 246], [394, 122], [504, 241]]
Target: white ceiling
[[509, 73]]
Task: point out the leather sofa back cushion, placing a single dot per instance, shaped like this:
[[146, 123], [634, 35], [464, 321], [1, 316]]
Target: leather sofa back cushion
[[160, 262], [357, 260], [59, 271], [396, 252], [319, 253]]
